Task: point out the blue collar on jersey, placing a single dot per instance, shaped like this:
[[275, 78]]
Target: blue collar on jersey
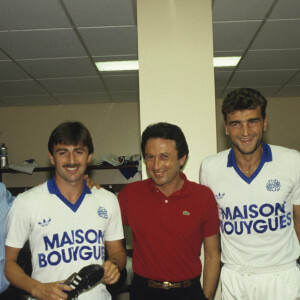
[[266, 157], [53, 189]]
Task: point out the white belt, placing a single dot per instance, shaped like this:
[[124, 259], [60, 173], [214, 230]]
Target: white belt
[[247, 270]]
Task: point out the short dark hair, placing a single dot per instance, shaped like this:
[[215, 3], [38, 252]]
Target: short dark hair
[[169, 132], [70, 133], [243, 98]]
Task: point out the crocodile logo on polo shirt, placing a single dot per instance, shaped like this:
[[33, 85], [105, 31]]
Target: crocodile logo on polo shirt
[[186, 213]]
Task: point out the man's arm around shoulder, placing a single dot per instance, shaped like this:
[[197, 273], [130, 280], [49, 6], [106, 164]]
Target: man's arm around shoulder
[[16, 276], [211, 270]]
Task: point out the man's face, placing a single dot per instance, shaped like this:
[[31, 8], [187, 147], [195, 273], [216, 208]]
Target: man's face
[[245, 128], [162, 163], [70, 162]]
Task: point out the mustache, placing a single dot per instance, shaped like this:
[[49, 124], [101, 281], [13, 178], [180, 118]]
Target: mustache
[[71, 166]]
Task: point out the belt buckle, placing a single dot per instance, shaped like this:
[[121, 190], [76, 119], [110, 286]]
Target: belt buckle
[[167, 285]]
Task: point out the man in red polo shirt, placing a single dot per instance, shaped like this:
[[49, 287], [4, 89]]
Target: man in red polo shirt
[[170, 217]]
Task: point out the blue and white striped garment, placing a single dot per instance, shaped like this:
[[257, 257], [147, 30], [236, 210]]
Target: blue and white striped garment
[[5, 203]]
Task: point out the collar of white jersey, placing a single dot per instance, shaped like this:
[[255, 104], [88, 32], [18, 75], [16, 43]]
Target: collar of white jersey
[[53, 189], [266, 157]]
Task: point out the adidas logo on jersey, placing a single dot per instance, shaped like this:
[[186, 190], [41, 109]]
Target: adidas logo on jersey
[[44, 223], [273, 185], [219, 196]]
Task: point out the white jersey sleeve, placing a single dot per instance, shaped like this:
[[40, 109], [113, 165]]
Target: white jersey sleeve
[[295, 194], [18, 223], [202, 178], [114, 229]]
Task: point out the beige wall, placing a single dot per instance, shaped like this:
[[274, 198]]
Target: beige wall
[[115, 127], [26, 130], [283, 123]]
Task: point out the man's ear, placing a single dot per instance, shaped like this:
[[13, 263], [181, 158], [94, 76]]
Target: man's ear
[[226, 130], [182, 160], [265, 123], [51, 159], [89, 158]]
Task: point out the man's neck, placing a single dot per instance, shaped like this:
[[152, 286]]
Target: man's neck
[[169, 189], [70, 190], [248, 163]]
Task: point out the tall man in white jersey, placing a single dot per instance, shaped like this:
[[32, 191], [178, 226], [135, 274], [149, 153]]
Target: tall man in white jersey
[[68, 225], [257, 188]]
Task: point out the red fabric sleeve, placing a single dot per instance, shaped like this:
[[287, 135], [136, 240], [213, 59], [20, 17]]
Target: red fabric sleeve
[[122, 197], [212, 223]]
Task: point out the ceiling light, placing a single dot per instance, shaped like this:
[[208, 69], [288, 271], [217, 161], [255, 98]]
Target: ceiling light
[[229, 61], [117, 65]]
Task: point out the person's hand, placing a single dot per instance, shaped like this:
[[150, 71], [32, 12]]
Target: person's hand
[[90, 183], [51, 291], [111, 272]]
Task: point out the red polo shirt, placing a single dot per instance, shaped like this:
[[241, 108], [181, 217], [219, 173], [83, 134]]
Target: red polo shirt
[[167, 232]]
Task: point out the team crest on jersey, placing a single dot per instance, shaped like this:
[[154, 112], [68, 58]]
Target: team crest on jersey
[[45, 222], [219, 196], [102, 212], [273, 185]]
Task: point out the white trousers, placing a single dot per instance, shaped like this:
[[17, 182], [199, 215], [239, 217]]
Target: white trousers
[[246, 283]]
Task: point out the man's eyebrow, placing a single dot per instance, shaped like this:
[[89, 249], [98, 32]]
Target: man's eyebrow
[[81, 149], [254, 119], [239, 121], [61, 149], [234, 121], [67, 149], [161, 153]]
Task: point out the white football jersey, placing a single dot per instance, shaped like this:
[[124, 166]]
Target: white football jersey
[[64, 237], [256, 213]]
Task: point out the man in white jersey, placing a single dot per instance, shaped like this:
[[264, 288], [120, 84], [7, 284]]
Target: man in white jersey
[[257, 188], [68, 225]]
